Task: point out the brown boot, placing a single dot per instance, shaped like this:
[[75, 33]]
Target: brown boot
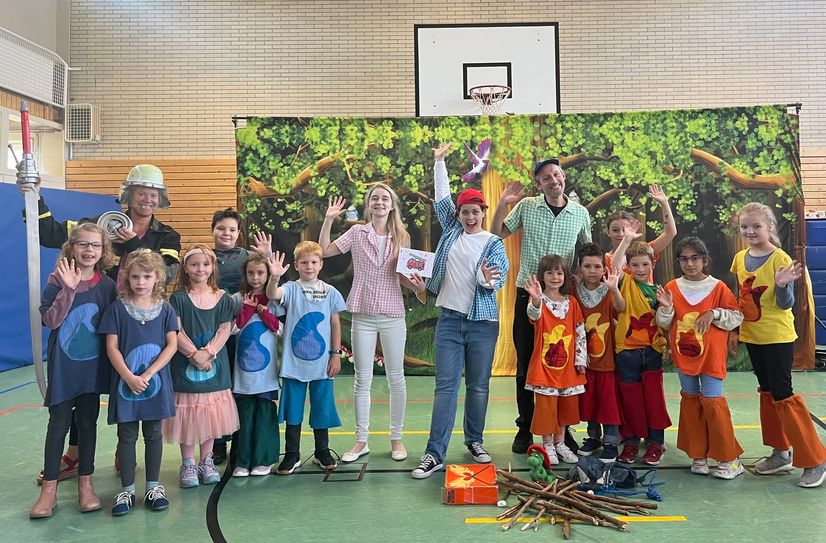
[[86, 496], [46, 502]]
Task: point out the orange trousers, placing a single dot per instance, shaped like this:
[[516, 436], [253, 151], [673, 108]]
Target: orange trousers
[[705, 429], [552, 413]]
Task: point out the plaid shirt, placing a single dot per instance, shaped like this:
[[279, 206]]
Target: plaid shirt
[[376, 289], [484, 306], [545, 234]]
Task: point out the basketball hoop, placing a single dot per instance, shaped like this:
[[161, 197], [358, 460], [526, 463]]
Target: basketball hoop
[[490, 97]]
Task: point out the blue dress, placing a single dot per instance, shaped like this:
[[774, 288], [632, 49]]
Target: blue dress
[[140, 344], [76, 353]]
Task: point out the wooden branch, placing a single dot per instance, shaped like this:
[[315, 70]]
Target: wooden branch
[[739, 179], [601, 199], [303, 177]]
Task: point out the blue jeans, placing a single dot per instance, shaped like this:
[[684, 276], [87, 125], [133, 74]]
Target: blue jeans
[[460, 344], [610, 431], [705, 385]]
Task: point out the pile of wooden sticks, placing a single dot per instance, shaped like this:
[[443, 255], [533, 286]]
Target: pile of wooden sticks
[[561, 502]]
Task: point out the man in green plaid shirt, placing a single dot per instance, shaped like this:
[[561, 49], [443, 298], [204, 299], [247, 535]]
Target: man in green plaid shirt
[[552, 224]]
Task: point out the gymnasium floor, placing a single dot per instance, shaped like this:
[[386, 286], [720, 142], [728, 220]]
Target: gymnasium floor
[[386, 504]]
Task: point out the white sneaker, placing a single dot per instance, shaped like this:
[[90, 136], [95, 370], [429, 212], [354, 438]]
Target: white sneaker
[[240, 472], [551, 450], [258, 471], [699, 466], [729, 470], [566, 454]]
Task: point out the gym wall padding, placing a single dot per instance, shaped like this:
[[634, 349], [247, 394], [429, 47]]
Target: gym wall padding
[[15, 337]]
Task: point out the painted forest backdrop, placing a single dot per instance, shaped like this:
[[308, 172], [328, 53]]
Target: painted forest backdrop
[[709, 162]]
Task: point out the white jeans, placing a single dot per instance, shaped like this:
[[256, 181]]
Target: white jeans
[[393, 333]]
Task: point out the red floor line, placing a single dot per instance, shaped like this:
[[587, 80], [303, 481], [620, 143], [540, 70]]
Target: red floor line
[[20, 406]]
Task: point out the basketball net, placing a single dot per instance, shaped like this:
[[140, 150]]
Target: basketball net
[[490, 98]]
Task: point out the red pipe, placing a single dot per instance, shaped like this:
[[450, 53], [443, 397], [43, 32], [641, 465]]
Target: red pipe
[[24, 125]]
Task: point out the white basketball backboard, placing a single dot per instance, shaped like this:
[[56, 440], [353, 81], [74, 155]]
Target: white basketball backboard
[[450, 59]]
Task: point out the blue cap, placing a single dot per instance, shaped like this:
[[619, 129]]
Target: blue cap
[[539, 165]]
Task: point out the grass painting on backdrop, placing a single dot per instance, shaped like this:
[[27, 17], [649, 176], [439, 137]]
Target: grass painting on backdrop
[[709, 162]]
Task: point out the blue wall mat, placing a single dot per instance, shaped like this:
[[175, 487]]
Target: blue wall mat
[[815, 232], [816, 257], [818, 278], [15, 338]]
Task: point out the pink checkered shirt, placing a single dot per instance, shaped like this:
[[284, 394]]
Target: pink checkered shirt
[[376, 289]]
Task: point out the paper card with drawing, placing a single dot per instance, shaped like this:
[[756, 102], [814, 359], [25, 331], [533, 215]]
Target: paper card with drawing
[[411, 260]]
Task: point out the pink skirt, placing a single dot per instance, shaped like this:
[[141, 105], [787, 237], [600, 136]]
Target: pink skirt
[[599, 403], [201, 417]]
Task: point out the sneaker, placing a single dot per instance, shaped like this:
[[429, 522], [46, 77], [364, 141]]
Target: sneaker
[[565, 454], [774, 463], [479, 453], [699, 466], [813, 477], [219, 453], [123, 503], [521, 441], [207, 473], [550, 450], [241, 472], [325, 460], [155, 499], [189, 476], [609, 453], [629, 453], [426, 468], [259, 471], [653, 454], [291, 461], [589, 446], [729, 470]]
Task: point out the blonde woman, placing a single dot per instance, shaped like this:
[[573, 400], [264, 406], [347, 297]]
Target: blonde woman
[[377, 306]]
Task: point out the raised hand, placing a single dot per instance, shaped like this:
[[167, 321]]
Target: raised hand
[[275, 262], [632, 231], [512, 193], [335, 207], [261, 243], [790, 273], [612, 277], [249, 299], [68, 273], [703, 322], [655, 192], [533, 287], [441, 152], [664, 297], [491, 273]]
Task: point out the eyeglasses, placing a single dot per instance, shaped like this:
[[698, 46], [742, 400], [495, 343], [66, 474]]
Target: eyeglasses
[[686, 259], [87, 244]]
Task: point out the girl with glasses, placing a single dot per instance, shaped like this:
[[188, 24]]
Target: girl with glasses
[[699, 311]]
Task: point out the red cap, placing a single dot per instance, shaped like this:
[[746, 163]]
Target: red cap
[[471, 196]]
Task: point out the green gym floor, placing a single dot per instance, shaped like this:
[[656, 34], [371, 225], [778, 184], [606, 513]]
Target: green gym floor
[[377, 500]]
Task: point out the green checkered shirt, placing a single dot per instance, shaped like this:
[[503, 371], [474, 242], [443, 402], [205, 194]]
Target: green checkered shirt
[[545, 234]]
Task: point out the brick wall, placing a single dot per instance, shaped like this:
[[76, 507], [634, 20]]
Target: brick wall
[[169, 74]]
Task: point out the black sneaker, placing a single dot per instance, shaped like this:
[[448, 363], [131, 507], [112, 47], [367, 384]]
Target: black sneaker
[[522, 441], [324, 459], [155, 499], [427, 467], [609, 453], [590, 446], [291, 461], [219, 453], [479, 453]]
